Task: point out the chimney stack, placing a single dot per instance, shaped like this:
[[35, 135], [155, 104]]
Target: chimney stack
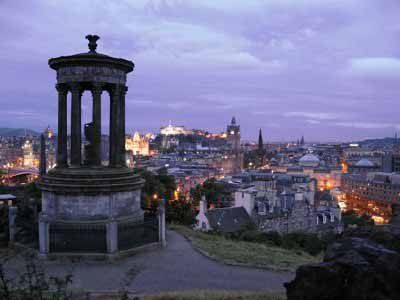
[[203, 205]]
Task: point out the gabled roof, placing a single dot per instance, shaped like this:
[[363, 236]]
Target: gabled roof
[[230, 219]]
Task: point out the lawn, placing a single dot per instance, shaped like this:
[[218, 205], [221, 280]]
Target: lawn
[[191, 295], [215, 295], [260, 255]]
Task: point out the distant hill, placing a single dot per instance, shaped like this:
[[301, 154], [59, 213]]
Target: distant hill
[[8, 132]]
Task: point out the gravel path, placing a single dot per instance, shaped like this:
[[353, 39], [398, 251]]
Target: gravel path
[[177, 267]]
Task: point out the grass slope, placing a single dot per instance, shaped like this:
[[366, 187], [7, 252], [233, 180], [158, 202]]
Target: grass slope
[[215, 295], [245, 253]]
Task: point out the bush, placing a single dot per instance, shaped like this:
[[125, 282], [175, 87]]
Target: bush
[[310, 243], [274, 237], [351, 218], [253, 236], [180, 212]]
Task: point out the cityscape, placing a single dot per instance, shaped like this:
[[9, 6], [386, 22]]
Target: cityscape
[[126, 181]]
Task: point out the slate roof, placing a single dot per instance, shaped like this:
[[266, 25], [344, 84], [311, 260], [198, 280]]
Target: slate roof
[[229, 219]]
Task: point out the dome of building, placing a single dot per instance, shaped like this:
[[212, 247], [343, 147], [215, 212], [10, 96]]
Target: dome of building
[[309, 160], [364, 163]]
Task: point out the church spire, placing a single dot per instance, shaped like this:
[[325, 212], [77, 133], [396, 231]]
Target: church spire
[[260, 141]]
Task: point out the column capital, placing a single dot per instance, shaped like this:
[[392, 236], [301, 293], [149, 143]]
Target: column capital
[[124, 89], [75, 87], [62, 88], [97, 88], [117, 89]]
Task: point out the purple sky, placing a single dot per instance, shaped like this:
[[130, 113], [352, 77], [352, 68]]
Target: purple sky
[[325, 69]]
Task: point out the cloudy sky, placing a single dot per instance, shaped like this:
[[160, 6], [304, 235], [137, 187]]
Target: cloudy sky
[[325, 69]]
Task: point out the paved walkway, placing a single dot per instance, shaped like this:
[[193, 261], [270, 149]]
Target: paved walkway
[[178, 267]]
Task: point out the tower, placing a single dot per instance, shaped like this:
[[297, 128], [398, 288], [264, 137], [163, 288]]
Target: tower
[[233, 135], [233, 139], [87, 206], [260, 143], [260, 149]]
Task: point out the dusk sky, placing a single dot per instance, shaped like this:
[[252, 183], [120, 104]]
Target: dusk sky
[[325, 69]]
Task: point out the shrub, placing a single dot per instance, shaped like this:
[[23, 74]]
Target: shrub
[[310, 243], [180, 212], [274, 238], [351, 218], [253, 236]]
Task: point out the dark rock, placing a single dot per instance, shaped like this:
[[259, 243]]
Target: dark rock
[[353, 268]]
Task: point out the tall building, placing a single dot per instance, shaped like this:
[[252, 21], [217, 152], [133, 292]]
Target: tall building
[[48, 132], [233, 140], [391, 162], [233, 135]]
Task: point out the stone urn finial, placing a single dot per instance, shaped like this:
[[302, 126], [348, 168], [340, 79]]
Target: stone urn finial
[[92, 42]]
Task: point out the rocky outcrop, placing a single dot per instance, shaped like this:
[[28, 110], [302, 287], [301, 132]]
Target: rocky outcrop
[[355, 268]]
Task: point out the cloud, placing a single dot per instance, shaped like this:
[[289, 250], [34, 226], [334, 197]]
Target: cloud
[[313, 115], [374, 67], [208, 60], [369, 125], [313, 122]]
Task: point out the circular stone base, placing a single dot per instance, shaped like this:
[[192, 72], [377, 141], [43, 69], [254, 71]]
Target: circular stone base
[[90, 180]]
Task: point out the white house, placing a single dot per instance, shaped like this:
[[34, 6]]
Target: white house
[[201, 218], [246, 198]]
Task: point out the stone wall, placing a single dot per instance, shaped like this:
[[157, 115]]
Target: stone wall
[[90, 206]]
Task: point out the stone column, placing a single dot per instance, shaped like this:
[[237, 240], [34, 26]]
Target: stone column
[[112, 236], [44, 235], [62, 156], [96, 93], [12, 214], [161, 223], [43, 162], [76, 130], [115, 97], [122, 150]]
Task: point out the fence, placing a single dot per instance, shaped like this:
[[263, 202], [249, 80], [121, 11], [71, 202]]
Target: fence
[[66, 237], [92, 237], [133, 234]]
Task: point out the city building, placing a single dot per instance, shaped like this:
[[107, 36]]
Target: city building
[[233, 135], [372, 193], [174, 130], [138, 144]]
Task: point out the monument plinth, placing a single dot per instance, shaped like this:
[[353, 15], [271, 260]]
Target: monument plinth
[[84, 202]]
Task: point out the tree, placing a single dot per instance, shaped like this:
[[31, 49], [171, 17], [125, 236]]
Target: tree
[[214, 192], [156, 186], [181, 212], [351, 218]]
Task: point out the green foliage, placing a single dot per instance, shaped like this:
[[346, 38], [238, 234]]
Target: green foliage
[[32, 191], [384, 236], [351, 218], [244, 253], [162, 185], [215, 193], [310, 243], [180, 212]]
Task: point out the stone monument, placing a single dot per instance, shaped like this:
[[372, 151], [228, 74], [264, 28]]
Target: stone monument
[[84, 203]]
